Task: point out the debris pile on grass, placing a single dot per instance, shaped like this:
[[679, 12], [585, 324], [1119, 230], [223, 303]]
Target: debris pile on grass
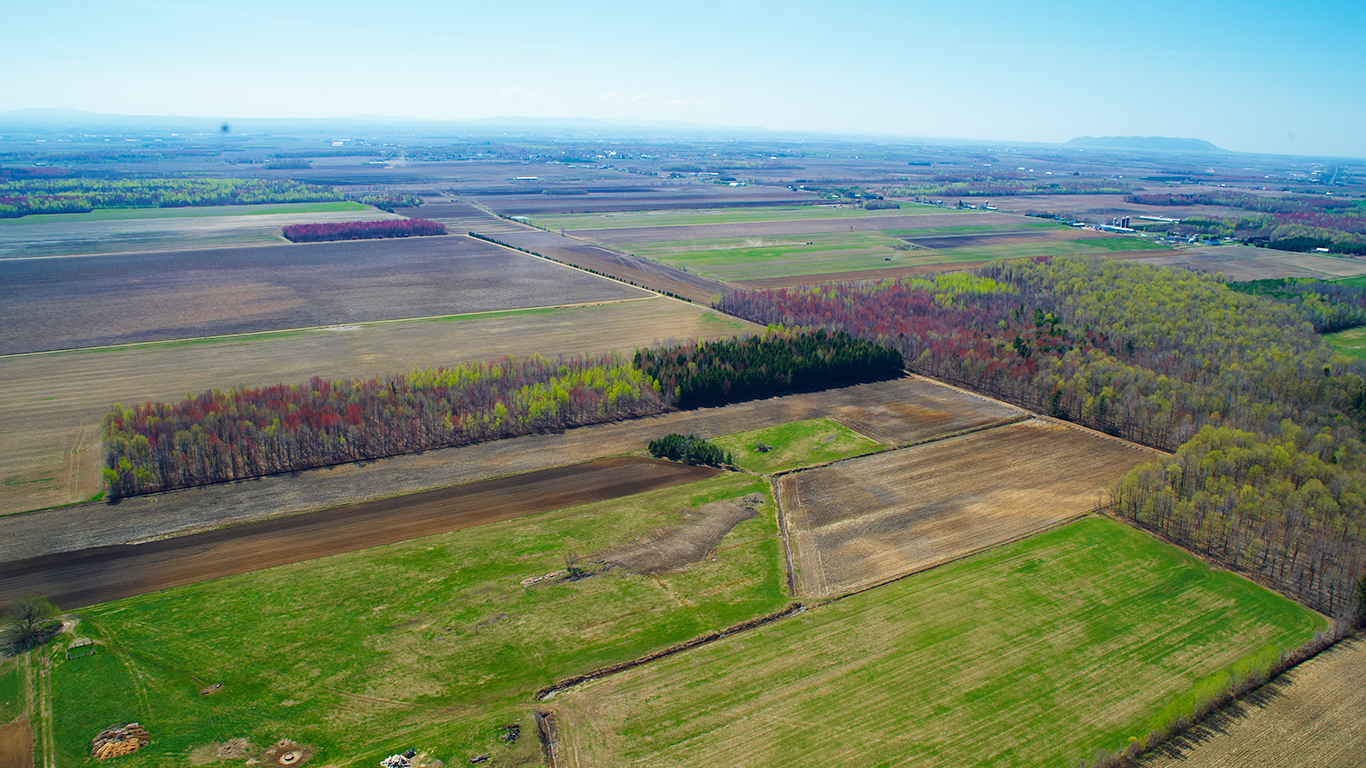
[[119, 740]]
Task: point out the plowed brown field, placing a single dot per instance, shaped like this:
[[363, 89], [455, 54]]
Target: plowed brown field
[[1312, 717], [861, 522], [77, 579]]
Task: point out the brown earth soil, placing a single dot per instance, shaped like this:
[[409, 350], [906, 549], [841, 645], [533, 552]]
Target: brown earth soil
[[862, 522], [51, 405], [652, 274], [892, 412], [1311, 717], [65, 303], [16, 744], [1025, 237], [77, 579], [698, 533]]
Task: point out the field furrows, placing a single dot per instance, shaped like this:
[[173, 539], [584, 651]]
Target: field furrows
[[893, 412], [52, 404], [48, 304], [98, 575], [864, 521], [1311, 717]]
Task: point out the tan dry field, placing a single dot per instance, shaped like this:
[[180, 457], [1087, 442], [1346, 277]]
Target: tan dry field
[[45, 238], [1245, 262], [865, 521], [78, 579], [16, 744], [1312, 717], [51, 404], [893, 412]]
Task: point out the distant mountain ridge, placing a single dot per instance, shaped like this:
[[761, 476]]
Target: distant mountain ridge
[[1145, 143]]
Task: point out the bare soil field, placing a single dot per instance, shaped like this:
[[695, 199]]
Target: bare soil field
[[892, 412], [51, 404], [652, 274], [1245, 262], [1311, 717], [864, 521], [646, 196], [61, 303], [48, 236], [16, 744], [800, 227], [78, 579]]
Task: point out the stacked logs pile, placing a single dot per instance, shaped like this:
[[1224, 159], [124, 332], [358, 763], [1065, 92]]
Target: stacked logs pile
[[119, 740]]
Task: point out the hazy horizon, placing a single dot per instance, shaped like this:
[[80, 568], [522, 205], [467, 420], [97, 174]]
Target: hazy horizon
[[1247, 77]]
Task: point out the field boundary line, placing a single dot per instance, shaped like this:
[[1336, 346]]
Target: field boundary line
[[1098, 433], [710, 637], [331, 326], [1045, 528], [783, 534], [968, 392]]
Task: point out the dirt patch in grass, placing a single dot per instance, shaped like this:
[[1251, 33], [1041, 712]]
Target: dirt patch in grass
[[864, 521], [16, 744], [699, 531]]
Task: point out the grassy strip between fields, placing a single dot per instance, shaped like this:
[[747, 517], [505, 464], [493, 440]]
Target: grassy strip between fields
[[630, 219], [794, 444], [1037, 653], [430, 644]]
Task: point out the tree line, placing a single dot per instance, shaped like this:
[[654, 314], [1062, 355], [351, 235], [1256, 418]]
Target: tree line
[[1153, 355], [218, 436], [362, 230], [713, 372], [23, 197]]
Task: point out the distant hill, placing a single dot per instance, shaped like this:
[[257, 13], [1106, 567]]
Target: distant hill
[[1145, 143]]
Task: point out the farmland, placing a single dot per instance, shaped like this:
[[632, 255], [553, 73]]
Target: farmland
[[1308, 718], [763, 249], [44, 303], [892, 412], [123, 230], [51, 404], [1351, 342], [868, 520], [796, 444], [431, 643], [1035, 653]]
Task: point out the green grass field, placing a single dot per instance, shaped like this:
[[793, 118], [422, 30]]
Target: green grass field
[[629, 219], [795, 444], [1036, 653], [11, 690], [428, 644], [1351, 342], [129, 214], [750, 258]]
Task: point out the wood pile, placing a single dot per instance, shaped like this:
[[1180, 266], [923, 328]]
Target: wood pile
[[119, 740]]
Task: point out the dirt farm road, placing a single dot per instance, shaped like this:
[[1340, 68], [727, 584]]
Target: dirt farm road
[[77, 579]]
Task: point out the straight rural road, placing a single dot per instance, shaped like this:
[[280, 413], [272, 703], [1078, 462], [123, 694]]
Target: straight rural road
[[77, 579]]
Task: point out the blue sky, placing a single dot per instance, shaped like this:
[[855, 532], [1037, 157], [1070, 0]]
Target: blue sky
[[1249, 76]]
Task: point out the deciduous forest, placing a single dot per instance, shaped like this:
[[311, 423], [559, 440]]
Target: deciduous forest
[[362, 230], [1163, 357]]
